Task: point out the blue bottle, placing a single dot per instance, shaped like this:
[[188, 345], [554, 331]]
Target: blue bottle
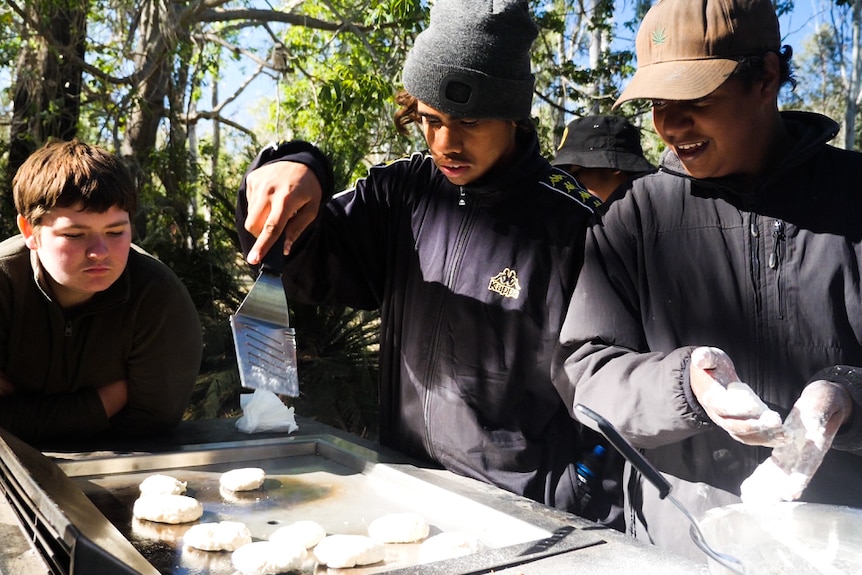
[[588, 474]]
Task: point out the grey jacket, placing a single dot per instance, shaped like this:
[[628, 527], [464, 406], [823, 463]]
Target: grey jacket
[[768, 272], [144, 329]]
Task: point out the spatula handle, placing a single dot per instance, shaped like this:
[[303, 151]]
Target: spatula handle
[[273, 260], [628, 451]]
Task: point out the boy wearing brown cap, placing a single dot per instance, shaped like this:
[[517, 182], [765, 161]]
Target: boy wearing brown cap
[[470, 251], [602, 152], [729, 277]]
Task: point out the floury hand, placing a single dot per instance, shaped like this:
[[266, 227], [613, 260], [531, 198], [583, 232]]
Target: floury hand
[[811, 427], [730, 403]]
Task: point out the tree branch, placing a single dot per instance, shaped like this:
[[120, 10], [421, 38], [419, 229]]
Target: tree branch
[[254, 15]]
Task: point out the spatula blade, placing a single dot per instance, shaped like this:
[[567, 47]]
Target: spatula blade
[[265, 342]]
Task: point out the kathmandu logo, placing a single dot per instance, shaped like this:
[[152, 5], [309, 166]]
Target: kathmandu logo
[[658, 37], [506, 284]]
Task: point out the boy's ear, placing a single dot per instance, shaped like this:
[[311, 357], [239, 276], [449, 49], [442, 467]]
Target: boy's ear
[[27, 231]]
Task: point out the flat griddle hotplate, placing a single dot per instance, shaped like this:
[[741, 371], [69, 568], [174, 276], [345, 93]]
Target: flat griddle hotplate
[[87, 506]]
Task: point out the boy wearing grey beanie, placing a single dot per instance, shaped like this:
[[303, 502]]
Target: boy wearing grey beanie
[[470, 252]]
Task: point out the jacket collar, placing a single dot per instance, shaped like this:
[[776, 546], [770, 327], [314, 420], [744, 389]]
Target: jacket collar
[[527, 166]]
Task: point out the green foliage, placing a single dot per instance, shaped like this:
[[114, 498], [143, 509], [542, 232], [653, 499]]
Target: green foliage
[[820, 58], [338, 371], [578, 63], [337, 90]]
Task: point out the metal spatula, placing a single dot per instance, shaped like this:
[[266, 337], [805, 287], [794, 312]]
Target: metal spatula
[[265, 342]]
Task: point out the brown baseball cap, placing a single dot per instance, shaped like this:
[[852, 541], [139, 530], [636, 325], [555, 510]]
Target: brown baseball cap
[[688, 48]]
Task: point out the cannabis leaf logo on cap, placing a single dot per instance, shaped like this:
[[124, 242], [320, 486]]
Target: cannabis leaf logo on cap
[[658, 36]]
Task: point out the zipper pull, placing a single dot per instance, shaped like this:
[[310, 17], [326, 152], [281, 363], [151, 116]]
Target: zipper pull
[[778, 235], [462, 200], [68, 331]]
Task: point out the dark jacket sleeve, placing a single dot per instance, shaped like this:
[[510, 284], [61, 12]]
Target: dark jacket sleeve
[[165, 359], [37, 418], [603, 359]]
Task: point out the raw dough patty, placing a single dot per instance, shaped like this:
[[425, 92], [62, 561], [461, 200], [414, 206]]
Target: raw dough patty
[[162, 485], [167, 508], [339, 551], [265, 558], [244, 479], [398, 528], [306, 533], [222, 536]]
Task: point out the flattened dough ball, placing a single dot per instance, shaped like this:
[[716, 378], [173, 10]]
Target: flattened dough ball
[[221, 536], [342, 551], [242, 479], [167, 508], [266, 558], [306, 533], [144, 529], [399, 528], [159, 484]]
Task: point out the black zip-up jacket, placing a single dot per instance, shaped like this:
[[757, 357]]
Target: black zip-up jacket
[[769, 273], [472, 284]]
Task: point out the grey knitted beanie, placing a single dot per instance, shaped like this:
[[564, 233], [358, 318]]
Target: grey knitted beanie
[[473, 60]]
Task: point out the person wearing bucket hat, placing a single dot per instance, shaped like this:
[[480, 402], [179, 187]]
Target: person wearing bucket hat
[[718, 308], [602, 152], [469, 250]]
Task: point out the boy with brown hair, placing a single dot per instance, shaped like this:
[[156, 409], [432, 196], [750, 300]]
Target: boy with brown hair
[[95, 335]]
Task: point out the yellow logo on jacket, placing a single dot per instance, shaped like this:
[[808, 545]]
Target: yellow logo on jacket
[[506, 284]]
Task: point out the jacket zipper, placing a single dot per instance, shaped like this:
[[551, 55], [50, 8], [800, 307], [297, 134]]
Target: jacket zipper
[[755, 259], [460, 243], [775, 258]]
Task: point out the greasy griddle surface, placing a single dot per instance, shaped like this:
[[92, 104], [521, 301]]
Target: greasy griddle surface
[[343, 498]]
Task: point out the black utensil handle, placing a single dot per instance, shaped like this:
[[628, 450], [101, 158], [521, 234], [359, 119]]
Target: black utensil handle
[[273, 260], [628, 451]]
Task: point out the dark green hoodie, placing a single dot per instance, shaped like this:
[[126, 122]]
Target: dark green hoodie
[[143, 329]]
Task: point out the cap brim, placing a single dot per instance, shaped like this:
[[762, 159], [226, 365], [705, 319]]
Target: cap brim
[[677, 80], [610, 159]]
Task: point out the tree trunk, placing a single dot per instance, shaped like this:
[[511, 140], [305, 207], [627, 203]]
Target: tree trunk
[[597, 51], [854, 92], [47, 92], [151, 91]]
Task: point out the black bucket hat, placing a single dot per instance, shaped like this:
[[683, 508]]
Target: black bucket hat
[[602, 142]]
